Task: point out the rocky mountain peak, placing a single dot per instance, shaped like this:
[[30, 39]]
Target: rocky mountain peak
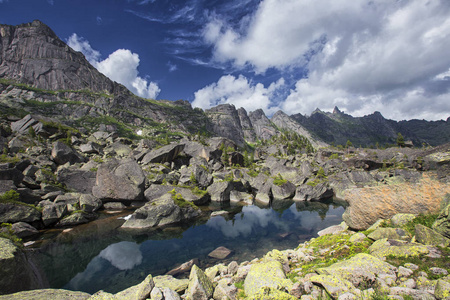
[[32, 54], [336, 110]]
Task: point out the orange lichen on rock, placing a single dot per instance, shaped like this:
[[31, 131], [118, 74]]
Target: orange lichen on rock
[[367, 205]]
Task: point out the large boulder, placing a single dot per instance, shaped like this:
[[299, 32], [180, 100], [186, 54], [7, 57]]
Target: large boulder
[[165, 210], [62, 154], [220, 191], [138, 292], [367, 205], [15, 271], [428, 236], [168, 281], [442, 223], [53, 212], [317, 192], [81, 181], [202, 177], [119, 180], [283, 191], [155, 191], [164, 154], [16, 212], [200, 286], [268, 274], [360, 269]]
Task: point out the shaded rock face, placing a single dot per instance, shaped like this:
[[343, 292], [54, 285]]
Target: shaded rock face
[[164, 154], [226, 122], [264, 129], [61, 154], [81, 181], [367, 205], [44, 60], [442, 223], [15, 271], [283, 121], [119, 180], [247, 127]]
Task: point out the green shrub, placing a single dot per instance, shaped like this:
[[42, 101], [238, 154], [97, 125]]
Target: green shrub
[[279, 180]]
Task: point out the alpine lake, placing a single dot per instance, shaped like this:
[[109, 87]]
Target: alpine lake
[[102, 256]]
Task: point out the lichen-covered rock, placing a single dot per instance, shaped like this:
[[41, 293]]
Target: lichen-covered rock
[[388, 233], [334, 285], [358, 269], [200, 287], [170, 294], [178, 285], [442, 289], [442, 223], [399, 220], [367, 205], [53, 212], [89, 203], [428, 236], [224, 291], [138, 292], [119, 180], [44, 294], [15, 212], [15, 271], [414, 293], [161, 212], [336, 229], [396, 248], [267, 274], [268, 293]]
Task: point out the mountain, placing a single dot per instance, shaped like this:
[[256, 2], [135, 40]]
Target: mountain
[[338, 127], [41, 75]]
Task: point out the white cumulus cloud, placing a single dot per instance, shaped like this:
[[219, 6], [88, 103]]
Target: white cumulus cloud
[[121, 66], [240, 92], [360, 55]]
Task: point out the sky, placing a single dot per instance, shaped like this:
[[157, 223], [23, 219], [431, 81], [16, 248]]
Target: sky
[[391, 56]]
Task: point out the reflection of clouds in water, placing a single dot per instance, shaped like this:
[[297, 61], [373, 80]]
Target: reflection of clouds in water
[[311, 219], [243, 223], [123, 255]]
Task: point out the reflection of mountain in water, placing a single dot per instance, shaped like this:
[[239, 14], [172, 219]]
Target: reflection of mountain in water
[[100, 255]]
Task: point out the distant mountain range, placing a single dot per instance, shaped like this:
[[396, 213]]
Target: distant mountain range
[[40, 74]]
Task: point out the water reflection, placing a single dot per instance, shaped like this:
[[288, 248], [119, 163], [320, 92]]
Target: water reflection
[[250, 219], [115, 259], [123, 255]]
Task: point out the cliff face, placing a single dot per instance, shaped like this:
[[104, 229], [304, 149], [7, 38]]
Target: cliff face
[[32, 54]]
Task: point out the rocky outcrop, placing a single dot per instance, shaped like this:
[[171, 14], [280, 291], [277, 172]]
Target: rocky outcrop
[[226, 122], [283, 121], [43, 60], [264, 129], [119, 180], [367, 205]]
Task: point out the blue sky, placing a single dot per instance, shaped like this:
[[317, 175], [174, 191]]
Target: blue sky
[[294, 55]]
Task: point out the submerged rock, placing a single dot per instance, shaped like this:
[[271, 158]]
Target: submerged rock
[[220, 253]]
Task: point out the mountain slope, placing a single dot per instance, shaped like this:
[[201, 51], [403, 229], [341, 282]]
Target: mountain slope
[[338, 127]]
